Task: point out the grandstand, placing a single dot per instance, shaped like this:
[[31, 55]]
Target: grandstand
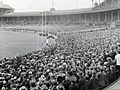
[[106, 13]]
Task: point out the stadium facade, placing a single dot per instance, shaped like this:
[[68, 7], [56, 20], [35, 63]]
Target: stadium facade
[[5, 9], [106, 12]]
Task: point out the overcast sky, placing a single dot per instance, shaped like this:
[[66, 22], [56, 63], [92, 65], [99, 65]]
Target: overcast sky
[[39, 5]]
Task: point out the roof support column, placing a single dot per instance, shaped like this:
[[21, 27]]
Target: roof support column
[[55, 19], [61, 19], [73, 19], [40, 20], [105, 17], [1, 20], [25, 20], [49, 20], [118, 14], [92, 17], [18, 19], [12, 19], [22, 20], [7, 20], [32, 20], [45, 20], [67, 19], [29, 20], [85, 18], [98, 17], [78, 18], [111, 16]]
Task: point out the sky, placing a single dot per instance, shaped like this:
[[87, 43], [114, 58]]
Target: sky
[[42, 5]]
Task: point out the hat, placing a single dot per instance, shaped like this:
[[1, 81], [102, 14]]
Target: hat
[[61, 74], [23, 88], [64, 64], [118, 44], [3, 88], [30, 72], [4, 82], [109, 58], [67, 78], [73, 78]]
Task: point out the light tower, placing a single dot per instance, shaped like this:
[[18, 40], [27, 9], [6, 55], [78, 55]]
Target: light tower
[[52, 3], [1, 2], [99, 2], [52, 8], [92, 3], [77, 3]]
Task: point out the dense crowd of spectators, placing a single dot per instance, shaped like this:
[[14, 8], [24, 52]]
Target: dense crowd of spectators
[[78, 61], [54, 28]]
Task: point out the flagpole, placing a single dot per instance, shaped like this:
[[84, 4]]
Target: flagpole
[[42, 28], [46, 32], [77, 4], [92, 3], [45, 24], [52, 3], [42, 21], [99, 2]]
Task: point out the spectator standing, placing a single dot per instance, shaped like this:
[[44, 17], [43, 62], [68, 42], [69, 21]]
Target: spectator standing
[[101, 79], [117, 59], [93, 82]]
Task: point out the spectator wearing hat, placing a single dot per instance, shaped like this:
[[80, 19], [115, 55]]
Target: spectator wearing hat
[[112, 53], [113, 74], [23, 88], [101, 79], [64, 66], [66, 83], [108, 76], [3, 88], [73, 86], [82, 83], [93, 82]]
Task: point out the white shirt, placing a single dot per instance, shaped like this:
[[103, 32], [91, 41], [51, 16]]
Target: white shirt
[[47, 41], [117, 58]]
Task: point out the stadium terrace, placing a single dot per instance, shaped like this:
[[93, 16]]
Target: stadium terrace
[[83, 57]]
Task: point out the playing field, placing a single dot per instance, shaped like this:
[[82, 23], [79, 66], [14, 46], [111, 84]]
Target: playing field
[[19, 43]]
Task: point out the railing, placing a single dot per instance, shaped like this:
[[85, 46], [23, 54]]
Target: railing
[[108, 87]]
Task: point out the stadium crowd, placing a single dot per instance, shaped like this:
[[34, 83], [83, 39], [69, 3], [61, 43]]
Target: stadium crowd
[[54, 28], [78, 61]]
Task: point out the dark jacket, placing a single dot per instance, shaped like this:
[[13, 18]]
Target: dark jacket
[[73, 87], [93, 83]]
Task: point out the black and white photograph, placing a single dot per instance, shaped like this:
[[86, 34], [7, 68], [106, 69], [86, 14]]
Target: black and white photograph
[[59, 44]]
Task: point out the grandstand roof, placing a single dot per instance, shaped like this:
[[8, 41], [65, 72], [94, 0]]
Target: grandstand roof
[[64, 12], [59, 12], [5, 6]]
